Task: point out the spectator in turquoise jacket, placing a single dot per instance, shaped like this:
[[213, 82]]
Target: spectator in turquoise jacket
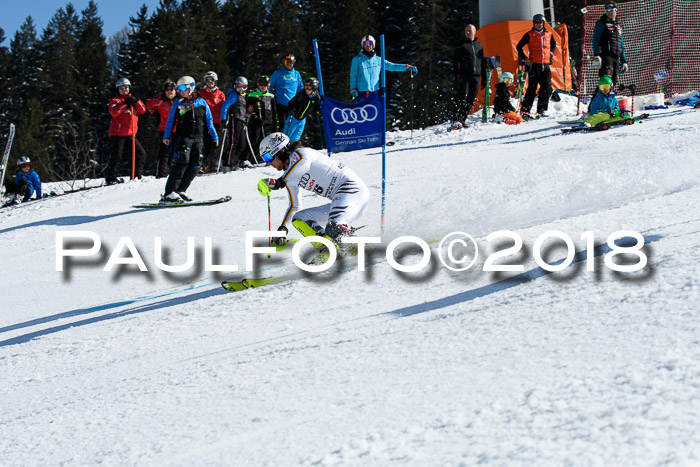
[[366, 68], [285, 83]]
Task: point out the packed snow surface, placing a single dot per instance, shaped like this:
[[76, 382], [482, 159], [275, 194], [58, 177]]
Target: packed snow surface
[[434, 367]]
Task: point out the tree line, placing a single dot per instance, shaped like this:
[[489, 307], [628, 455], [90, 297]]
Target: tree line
[[55, 86]]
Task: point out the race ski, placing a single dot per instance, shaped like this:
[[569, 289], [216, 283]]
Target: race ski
[[6, 156], [490, 63], [183, 204], [521, 79], [499, 71], [237, 286], [602, 126]]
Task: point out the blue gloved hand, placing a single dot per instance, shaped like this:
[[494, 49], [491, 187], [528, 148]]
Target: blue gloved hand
[[353, 93], [413, 70]]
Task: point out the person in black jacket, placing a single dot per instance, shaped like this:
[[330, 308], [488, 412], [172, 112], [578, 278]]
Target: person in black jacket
[[608, 46], [262, 114], [302, 105], [468, 66], [234, 116]]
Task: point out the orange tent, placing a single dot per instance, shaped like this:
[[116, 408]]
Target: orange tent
[[501, 39]]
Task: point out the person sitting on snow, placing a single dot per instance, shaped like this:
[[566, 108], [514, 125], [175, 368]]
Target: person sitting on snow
[[502, 106], [604, 106], [25, 184]]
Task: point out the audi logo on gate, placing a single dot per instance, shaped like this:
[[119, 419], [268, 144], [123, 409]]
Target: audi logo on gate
[[359, 115]]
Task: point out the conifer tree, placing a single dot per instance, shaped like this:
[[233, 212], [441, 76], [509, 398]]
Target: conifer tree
[[4, 81], [93, 76], [244, 20], [286, 36]]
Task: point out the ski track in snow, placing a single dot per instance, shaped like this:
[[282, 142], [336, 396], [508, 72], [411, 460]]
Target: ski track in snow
[[438, 368]]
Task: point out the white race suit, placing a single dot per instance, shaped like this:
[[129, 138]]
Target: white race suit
[[312, 171]]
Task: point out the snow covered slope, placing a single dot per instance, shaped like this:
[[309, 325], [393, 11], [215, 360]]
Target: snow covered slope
[[368, 368]]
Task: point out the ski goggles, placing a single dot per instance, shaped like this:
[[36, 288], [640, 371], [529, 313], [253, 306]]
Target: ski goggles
[[604, 87], [508, 81], [309, 87], [26, 165], [185, 87], [241, 87], [288, 61], [610, 10], [267, 157], [368, 43]]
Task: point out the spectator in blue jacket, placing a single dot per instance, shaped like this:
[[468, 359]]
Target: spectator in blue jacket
[[366, 68], [285, 83], [191, 114], [25, 184]]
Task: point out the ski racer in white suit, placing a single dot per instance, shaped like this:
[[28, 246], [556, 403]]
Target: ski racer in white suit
[[307, 170]]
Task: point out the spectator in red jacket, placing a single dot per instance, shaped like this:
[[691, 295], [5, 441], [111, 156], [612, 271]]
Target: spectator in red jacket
[[124, 109], [214, 97], [160, 106]]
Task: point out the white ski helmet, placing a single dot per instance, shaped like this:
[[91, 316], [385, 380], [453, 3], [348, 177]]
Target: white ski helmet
[[186, 82], [211, 74], [23, 160], [123, 82], [367, 38], [241, 80], [272, 144]]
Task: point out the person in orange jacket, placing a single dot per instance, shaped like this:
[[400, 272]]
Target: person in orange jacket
[[214, 97], [541, 46], [124, 109], [161, 105]]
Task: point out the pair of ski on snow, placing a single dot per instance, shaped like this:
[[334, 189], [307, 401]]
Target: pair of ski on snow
[[602, 126]]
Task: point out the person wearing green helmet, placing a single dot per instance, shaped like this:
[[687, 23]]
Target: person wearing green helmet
[[262, 114], [604, 106]]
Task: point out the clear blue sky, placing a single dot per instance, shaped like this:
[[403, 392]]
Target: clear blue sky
[[114, 13]]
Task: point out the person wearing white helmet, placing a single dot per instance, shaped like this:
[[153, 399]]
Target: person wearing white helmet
[[124, 109], [307, 170], [192, 116], [214, 98], [366, 67], [25, 184]]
